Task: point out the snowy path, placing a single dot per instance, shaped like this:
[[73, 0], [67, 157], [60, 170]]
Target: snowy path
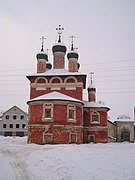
[[20, 161], [15, 161]]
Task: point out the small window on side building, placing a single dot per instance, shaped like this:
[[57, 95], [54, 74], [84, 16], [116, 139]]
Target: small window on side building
[[17, 125], [10, 125], [4, 125], [23, 126], [21, 117], [14, 117], [7, 116]]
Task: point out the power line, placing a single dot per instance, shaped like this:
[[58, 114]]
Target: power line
[[116, 80], [84, 64], [110, 62], [119, 92], [116, 75]]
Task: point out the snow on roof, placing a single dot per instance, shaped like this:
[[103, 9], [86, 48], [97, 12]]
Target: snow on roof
[[94, 105], [13, 108], [123, 118], [55, 96], [91, 86], [59, 43], [54, 72]]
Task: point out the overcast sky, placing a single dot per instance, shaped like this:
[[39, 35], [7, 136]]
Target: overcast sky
[[105, 37]]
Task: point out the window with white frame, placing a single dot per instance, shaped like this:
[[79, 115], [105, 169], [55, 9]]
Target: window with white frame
[[95, 117], [73, 138], [71, 113], [48, 112]]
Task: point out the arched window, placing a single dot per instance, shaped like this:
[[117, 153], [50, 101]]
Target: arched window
[[55, 80], [41, 80], [70, 79], [41, 83], [95, 117]]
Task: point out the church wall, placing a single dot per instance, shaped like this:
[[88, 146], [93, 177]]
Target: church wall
[[60, 128], [59, 134], [35, 113], [77, 93], [71, 86], [97, 130]]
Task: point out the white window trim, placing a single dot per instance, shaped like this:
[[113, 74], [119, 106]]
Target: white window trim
[[47, 106], [71, 135], [71, 107], [95, 122]]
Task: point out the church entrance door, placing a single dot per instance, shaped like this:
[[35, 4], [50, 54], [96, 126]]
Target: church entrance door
[[125, 136]]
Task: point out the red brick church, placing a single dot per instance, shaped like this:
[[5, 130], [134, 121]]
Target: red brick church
[[57, 112]]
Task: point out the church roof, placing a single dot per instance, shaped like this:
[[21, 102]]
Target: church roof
[[57, 72], [93, 104], [55, 96], [53, 72]]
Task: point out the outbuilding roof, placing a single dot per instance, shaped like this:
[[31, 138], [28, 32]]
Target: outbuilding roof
[[94, 104]]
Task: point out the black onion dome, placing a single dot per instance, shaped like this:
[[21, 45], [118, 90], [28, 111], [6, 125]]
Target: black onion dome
[[92, 88], [59, 48], [48, 65], [72, 54], [42, 55]]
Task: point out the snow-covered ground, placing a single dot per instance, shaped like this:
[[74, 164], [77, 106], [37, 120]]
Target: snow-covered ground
[[22, 161]]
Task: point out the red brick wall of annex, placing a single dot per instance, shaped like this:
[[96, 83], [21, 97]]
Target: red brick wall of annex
[[100, 136], [87, 116], [103, 119]]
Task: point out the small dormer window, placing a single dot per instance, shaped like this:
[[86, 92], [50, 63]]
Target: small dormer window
[[95, 117]]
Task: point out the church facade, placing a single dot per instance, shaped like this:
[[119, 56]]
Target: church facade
[[57, 112]]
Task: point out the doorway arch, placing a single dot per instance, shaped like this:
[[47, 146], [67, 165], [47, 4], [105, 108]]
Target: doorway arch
[[125, 135]]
